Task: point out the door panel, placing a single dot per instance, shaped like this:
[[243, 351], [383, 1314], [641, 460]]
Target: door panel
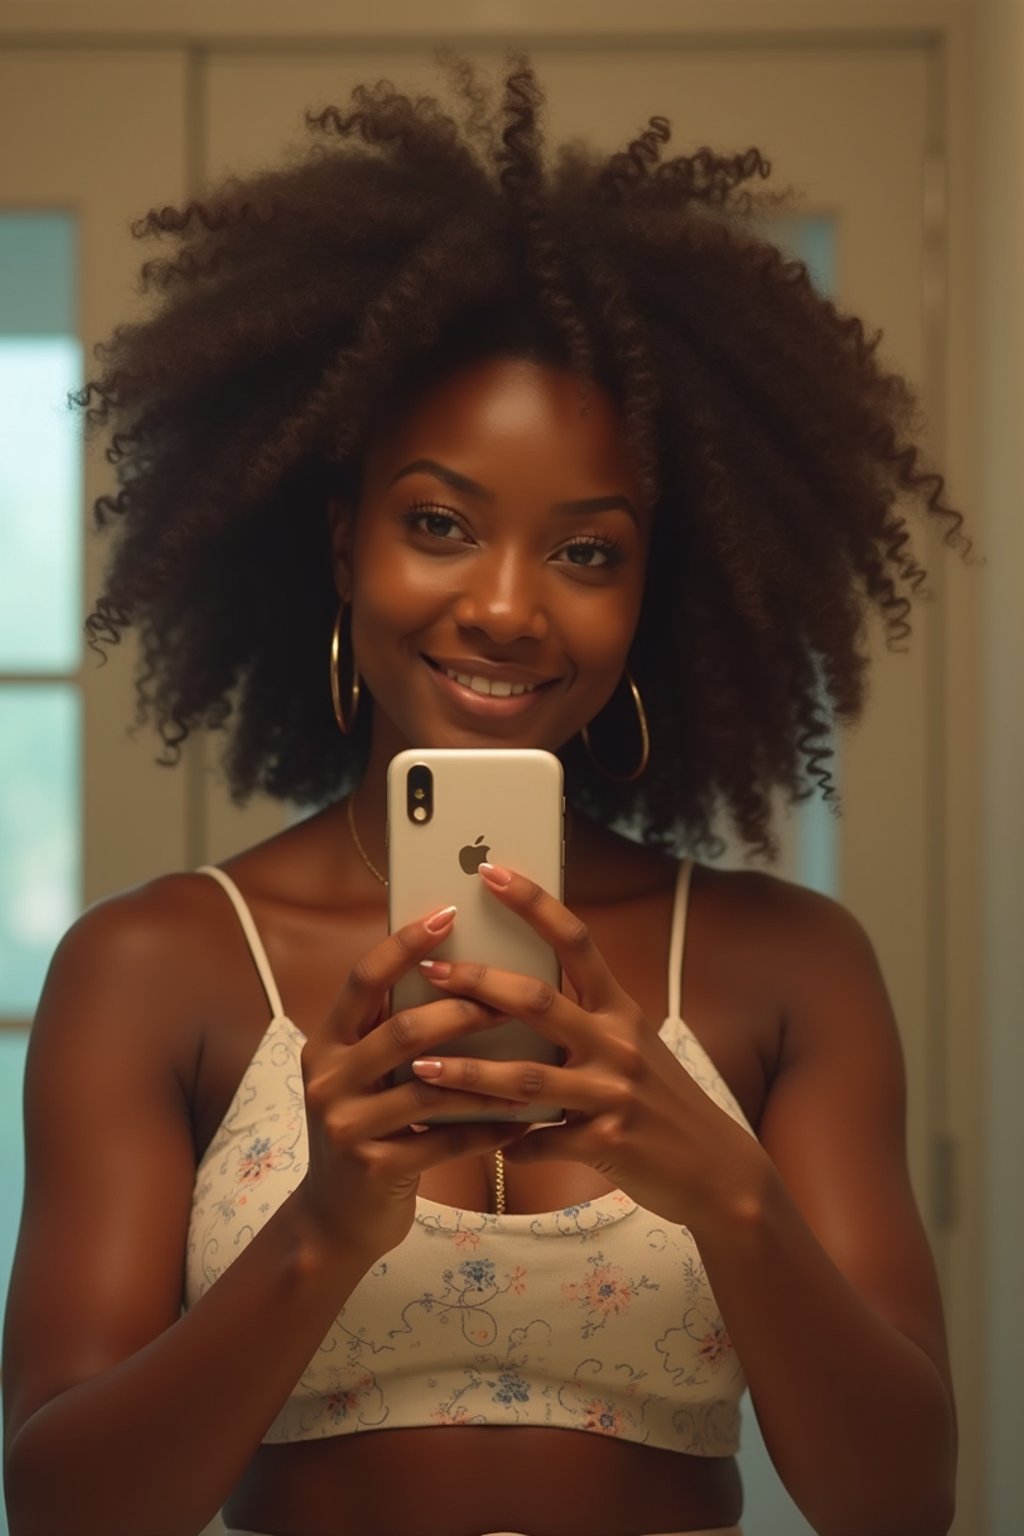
[[103, 135], [108, 139], [849, 130]]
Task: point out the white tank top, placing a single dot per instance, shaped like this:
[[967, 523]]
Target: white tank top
[[597, 1317]]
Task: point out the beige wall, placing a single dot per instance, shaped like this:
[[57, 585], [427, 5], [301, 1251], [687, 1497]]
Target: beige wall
[[984, 432], [999, 65]]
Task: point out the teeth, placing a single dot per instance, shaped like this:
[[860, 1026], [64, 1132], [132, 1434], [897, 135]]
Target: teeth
[[496, 688]]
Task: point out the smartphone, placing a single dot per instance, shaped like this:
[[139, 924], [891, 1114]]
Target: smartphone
[[449, 809]]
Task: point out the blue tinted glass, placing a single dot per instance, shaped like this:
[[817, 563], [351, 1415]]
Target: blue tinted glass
[[40, 834], [40, 446], [13, 1045], [811, 238]]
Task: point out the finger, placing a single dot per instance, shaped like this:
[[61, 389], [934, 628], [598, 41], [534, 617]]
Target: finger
[[385, 1114], [515, 996], [343, 1073], [364, 990], [443, 1143], [527, 1082], [414, 1031], [555, 1143], [567, 934]]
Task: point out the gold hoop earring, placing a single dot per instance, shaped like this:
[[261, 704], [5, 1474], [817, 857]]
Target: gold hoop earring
[[344, 725], [645, 739]]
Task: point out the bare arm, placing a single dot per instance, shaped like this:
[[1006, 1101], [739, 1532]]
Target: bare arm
[[122, 1415], [820, 1264], [811, 1239]]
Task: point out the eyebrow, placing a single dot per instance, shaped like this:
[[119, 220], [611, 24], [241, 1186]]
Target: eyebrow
[[471, 488]]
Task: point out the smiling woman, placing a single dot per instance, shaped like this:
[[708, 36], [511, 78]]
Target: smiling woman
[[429, 444], [519, 597]]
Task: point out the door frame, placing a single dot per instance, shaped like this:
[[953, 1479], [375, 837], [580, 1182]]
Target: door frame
[[963, 860]]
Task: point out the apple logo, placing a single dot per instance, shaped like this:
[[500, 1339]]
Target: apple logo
[[473, 855]]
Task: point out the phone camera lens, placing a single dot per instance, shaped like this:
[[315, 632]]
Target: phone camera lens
[[419, 794]]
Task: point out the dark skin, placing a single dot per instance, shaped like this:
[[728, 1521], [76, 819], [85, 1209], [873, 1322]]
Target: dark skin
[[810, 1236]]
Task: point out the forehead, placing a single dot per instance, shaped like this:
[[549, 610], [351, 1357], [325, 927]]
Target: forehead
[[510, 422]]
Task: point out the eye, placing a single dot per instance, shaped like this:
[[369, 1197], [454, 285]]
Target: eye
[[435, 522], [591, 552]]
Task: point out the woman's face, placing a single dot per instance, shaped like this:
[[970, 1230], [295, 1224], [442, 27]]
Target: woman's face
[[500, 536]]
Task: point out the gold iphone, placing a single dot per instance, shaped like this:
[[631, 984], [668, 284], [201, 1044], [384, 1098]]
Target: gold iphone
[[449, 809]]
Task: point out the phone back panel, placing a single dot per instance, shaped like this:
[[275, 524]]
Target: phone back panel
[[504, 805]]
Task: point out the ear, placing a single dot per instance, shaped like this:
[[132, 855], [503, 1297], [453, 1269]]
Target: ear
[[341, 530]]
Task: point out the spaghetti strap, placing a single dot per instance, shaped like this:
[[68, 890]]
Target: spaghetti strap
[[678, 939], [253, 939]]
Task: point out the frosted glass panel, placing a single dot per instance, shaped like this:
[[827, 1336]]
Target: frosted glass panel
[[37, 264], [40, 834], [812, 239], [40, 446], [13, 1045]]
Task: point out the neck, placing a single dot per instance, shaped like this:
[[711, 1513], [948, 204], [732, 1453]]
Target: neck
[[593, 856], [370, 802], [586, 843]]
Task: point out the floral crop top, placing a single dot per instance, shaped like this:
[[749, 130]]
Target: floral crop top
[[598, 1317]]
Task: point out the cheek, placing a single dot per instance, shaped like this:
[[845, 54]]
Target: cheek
[[600, 638], [602, 621], [391, 585]]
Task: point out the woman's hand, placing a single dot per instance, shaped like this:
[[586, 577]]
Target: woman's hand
[[633, 1112], [364, 1160]]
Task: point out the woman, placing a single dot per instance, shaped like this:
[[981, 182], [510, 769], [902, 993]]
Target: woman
[[571, 460]]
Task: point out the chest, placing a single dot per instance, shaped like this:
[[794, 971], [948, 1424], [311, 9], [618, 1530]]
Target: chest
[[733, 1018]]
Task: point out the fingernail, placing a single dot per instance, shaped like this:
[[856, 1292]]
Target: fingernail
[[427, 1067], [496, 874], [440, 919], [438, 969]]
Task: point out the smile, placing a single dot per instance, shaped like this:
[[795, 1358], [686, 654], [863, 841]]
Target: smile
[[494, 696], [497, 688]]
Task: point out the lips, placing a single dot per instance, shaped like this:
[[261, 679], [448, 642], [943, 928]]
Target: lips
[[486, 678], [490, 687], [484, 689]]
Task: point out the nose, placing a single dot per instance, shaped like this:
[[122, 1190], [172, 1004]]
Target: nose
[[503, 597]]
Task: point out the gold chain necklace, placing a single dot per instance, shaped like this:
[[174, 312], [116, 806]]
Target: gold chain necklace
[[499, 1156], [371, 866]]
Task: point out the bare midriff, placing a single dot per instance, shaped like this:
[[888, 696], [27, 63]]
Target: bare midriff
[[435, 1480]]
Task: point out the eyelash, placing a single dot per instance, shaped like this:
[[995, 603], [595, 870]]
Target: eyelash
[[610, 547]]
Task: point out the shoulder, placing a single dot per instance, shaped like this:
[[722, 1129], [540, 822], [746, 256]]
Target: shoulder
[[139, 931], [807, 929], [803, 950], [130, 972]]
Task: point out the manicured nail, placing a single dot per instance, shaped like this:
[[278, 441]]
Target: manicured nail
[[439, 920], [496, 874], [427, 1066], [438, 969]]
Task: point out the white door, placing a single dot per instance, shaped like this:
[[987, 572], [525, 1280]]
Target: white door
[[850, 130], [109, 137]]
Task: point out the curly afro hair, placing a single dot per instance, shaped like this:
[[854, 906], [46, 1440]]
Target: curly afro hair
[[302, 302]]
